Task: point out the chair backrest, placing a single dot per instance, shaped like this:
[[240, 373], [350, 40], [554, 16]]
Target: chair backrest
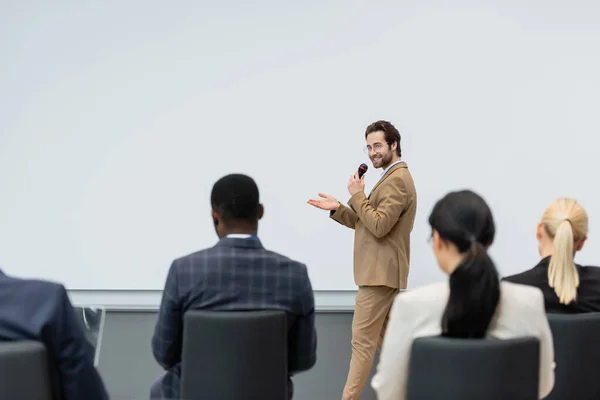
[[444, 368], [24, 373], [234, 355], [577, 356]]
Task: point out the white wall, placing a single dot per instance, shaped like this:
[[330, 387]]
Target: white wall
[[116, 118]]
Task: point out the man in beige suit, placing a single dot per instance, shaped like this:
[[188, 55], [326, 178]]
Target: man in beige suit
[[382, 222]]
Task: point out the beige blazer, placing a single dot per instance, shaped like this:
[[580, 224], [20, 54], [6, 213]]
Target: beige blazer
[[382, 223], [418, 313]]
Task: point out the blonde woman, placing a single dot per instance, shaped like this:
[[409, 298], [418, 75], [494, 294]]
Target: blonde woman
[[568, 288]]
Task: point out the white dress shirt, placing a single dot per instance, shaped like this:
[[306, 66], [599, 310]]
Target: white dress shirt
[[239, 236], [418, 313]]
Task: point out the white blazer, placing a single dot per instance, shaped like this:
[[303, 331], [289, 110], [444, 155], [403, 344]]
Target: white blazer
[[417, 313]]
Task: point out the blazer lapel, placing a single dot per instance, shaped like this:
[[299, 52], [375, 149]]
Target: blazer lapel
[[401, 164]]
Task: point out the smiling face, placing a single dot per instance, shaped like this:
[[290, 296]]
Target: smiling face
[[381, 153]]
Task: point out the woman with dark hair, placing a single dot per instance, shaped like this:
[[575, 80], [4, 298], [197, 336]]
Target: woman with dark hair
[[472, 304]]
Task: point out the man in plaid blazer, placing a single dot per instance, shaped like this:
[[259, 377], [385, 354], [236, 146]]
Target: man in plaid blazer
[[236, 274]]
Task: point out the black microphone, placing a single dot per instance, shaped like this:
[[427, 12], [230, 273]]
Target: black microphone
[[362, 168]]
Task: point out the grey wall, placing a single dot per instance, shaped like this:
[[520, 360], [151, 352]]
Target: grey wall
[[128, 369]]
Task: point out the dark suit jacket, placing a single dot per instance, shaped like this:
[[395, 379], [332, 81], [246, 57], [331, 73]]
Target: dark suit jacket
[[41, 311], [236, 274], [588, 292]]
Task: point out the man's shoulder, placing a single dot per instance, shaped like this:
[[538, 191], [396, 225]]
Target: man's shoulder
[[265, 256], [398, 176], [197, 255], [401, 172], [33, 297], [286, 263], [284, 259], [399, 168], [32, 286]]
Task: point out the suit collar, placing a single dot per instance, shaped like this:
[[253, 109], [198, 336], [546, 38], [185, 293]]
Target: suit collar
[[544, 262], [249, 243], [392, 165], [399, 165]]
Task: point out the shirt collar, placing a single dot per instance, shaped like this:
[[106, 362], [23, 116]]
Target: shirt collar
[[241, 236], [389, 167]]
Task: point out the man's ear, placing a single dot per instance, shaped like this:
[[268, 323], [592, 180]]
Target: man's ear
[[261, 211], [215, 217]]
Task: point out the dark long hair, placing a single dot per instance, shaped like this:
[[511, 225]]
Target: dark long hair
[[464, 219]]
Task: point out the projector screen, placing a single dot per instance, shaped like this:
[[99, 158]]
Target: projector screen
[[118, 117]]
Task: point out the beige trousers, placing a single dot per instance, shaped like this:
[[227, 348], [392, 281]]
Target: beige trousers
[[373, 304]]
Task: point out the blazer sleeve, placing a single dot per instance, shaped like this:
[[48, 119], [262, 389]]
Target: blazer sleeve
[[167, 340], [379, 221], [390, 379], [344, 216], [71, 352], [547, 364], [302, 340]]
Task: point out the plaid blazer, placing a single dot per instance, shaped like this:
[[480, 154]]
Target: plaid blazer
[[236, 274]]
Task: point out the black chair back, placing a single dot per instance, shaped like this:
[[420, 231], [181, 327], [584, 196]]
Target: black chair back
[[577, 356], [473, 369], [234, 355], [24, 373]]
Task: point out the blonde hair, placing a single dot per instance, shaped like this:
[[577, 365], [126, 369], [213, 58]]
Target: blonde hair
[[566, 221]]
